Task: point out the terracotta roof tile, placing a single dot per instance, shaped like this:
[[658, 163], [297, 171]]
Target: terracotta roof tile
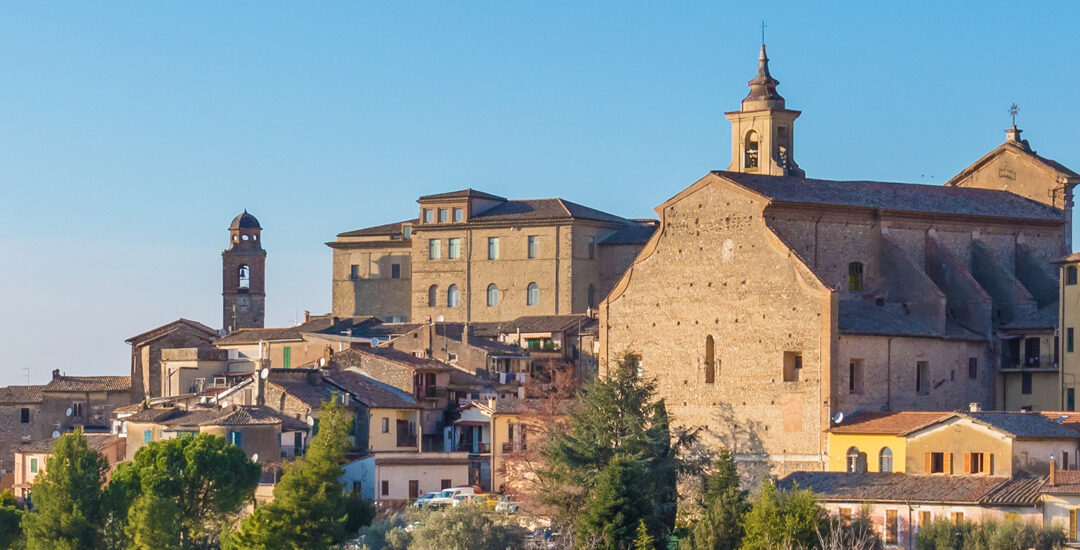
[[371, 392], [88, 383], [20, 394], [1066, 482], [893, 423], [886, 487], [96, 441], [468, 193], [389, 229]]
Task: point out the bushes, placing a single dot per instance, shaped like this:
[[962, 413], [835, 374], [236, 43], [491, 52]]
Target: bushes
[[1011, 534]]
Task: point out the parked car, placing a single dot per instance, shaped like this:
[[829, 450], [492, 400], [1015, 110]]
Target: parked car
[[424, 500], [446, 496], [487, 500], [507, 505]]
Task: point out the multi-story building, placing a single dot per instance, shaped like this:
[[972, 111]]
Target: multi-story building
[[767, 302], [472, 256]]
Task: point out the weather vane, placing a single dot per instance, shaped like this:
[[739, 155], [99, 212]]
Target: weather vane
[[1013, 109], [763, 32]]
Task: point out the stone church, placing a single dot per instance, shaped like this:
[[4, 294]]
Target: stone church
[[768, 304]]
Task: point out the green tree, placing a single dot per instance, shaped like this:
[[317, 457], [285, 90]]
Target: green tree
[[466, 527], [117, 498], [1011, 534], [387, 534], [644, 540], [615, 417], [359, 512], [10, 516], [187, 487], [308, 511], [723, 506], [783, 519], [67, 498], [615, 507]]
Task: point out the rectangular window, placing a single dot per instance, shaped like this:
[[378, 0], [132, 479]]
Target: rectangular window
[[1071, 535], [452, 357], [286, 357], [33, 465], [444, 215], [454, 250], [855, 376], [975, 463], [24, 415], [235, 438], [592, 248], [76, 410], [891, 527], [459, 215], [493, 248], [935, 463], [1025, 383], [1069, 340], [534, 246], [1070, 399], [147, 436], [445, 484], [385, 425], [958, 517], [1070, 275], [354, 272], [385, 488], [922, 378], [407, 230], [792, 366], [395, 271], [1064, 460], [973, 368], [844, 514], [434, 249], [925, 517], [429, 216]]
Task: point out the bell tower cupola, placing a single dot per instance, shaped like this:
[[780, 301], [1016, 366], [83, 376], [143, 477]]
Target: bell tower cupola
[[762, 131], [243, 275]]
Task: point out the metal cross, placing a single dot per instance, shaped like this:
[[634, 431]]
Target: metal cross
[[1013, 109], [763, 32]]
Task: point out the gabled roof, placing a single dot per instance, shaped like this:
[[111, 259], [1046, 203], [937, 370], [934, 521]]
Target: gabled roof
[[468, 193], [1066, 482], [636, 232], [157, 332], [315, 325], [398, 357], [1024, 425], [371, 392], [1017, 147], [545, 323], [88, 383], [895, 197], [895, 487], [20, 394], [237, 415], [889, 423], [543, 210], [1042, 318], [96, 441]]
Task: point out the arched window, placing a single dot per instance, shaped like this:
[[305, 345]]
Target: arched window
[[855, 276], [592, 295], [533, 296], [853, 455], [710, 360], [885, 460], [245, 276], [750, 150], [453, 298], [433, 296], [492, 295], [1070, 275]]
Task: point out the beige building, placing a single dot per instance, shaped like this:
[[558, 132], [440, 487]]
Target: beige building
[[146, 349], [471, 256], [768, 302], [31, 459]]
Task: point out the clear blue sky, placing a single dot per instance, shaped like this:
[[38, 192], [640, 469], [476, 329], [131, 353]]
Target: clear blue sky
[[131, 134]]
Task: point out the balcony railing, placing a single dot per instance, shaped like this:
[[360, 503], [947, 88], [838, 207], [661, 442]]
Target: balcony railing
[[1025, 363], [409, 441], [467, 447]]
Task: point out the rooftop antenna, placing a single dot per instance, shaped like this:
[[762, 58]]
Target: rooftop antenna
[[1013, 110], [26, 373]]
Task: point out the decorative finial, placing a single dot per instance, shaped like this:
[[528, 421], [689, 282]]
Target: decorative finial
[[763, 33], [1013, 110]]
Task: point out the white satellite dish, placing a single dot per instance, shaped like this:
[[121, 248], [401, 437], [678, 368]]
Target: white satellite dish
[[69, 411], [264, 374], [439, 319], [322, 361], [310, 421], [255, 457], [375, 342], [838, 418], [56, 434]]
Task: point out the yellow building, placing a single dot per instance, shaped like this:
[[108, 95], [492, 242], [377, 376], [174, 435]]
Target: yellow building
[[30, 459], [876, 442]]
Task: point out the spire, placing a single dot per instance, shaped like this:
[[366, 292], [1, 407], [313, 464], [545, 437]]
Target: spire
[[763, 94]]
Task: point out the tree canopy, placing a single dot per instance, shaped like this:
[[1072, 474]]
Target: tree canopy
[[67, 498]]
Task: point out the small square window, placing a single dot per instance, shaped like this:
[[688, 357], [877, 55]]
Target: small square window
[[354, 272], [429, 216], [24, 415], [459, 215], [444, 215], [395, 271], [792, 366], [385, 488]]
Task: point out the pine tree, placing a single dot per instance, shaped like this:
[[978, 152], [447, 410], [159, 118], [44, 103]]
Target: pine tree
[[67, 498], [10, 516], [308, 510], [614, 508], [644, 540], [723, 505], [783, 519]]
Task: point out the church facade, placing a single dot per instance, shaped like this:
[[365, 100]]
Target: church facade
[[767, 302]]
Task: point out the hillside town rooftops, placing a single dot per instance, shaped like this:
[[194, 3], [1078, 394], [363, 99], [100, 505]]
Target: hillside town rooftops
[[914, 488], [62, 383], [10, 395], [96, 441], [889, 423], [319, 324], [158, 332]]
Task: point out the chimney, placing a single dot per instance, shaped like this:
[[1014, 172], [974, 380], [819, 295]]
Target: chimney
[[307, 315], [1053, 473], [55, 374], [465, 334], [974, 407], [260, 383], [491, 403]]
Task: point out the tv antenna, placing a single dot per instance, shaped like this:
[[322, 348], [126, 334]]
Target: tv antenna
[[1013, 110]]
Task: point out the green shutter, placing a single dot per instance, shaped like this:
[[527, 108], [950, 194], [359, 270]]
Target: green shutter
[[286, 357]]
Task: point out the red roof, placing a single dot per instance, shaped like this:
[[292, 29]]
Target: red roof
[[891, 423]]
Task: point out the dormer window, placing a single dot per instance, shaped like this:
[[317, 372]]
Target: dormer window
[[750, 149], [855, 276]]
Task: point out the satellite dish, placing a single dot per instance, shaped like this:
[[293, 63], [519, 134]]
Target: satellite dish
[[310, 421], [56, 434], [322, 361], [255, 457], [69, 411], [838, 418], [439, 319], [264, 374]]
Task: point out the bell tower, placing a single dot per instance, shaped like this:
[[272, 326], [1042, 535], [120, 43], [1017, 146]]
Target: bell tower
[[762, 131], [243, 275]]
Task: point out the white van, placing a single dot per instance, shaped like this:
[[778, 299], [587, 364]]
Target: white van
[[446, 496]]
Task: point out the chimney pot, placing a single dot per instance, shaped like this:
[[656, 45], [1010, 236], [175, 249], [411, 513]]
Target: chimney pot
[[56, 374], [1053, 473], [974, 407], [307, 315]]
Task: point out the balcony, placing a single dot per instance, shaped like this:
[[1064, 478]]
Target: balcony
[[433, 392], [468, 447], [1029, 364], [406, 441]]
